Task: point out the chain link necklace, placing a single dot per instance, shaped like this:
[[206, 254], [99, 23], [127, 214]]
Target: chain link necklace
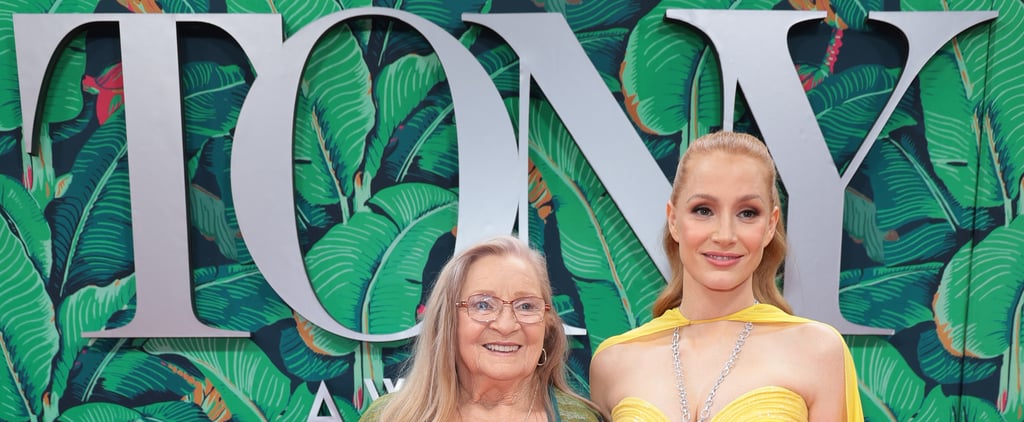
[[706, 410]]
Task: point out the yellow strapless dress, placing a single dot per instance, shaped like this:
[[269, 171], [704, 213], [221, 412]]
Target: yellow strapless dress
[[765, 404], [762, 404]]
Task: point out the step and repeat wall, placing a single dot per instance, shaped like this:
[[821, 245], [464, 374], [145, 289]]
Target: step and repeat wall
[[235, 210]]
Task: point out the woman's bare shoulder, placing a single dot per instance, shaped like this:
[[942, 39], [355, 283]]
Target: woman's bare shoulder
[[811, 341]]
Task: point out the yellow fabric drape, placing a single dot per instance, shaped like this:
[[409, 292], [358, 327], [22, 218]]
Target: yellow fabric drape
[[758, 314]]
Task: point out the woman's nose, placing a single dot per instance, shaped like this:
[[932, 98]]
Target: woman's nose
[[725, 232], [506, 320]]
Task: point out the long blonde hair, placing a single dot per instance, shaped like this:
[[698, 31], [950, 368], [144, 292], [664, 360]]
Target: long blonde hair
[[765, 290], [431, 388]]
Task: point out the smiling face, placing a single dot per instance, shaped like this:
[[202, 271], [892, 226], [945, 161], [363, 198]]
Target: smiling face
[[722, 218], [503, 350]]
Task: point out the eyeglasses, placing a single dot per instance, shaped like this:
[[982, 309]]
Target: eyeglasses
[[486, 308]]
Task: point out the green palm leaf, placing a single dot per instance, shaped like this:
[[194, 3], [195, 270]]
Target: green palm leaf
[[846, 105], [421, 136], [401, 87], [91, 224], [1001, 156], [305, 360], [905, 191], [334, 116], [22, 215], [298, 407], [589, 15], [941, 407], [859, 223], [605, 49], [250, 385], [938, 364], [921, 242], [665, 71], [113, 412], [64, 96], [855, 12], [213, 96], [369, 271], [321, 341], [296, 14], [28, 338], [898, 297], [9, 144], [978, 306], [65, 89], [88, 309], [889, 388], [952, 125], [237, 297], [670, 76], [110, 370], [100, 412], [208, 214], [616, 280], [172, 411], [980, 290], [391, 41]]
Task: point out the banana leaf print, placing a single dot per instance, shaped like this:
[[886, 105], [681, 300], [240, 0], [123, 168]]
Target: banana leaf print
[[932, 221], [295, 14], [1001, 162], [368, 272], [235, 372], [896, 297], [889, 388], [939, 406], [670, 77], [584, 16], [28, 337], [88, 309], [854, 13], [91, 223], [910, 203], [990, 273], [110, 412], [115, 370], [391, 40], [237, 297], [312, 354], [333, 118], [944, 368], [847, 104], [65, 93], [23, 216], [213, 96], [401, 87], [610, 271]]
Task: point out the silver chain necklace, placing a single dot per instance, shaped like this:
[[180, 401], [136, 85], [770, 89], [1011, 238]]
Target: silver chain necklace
[[706, 410]]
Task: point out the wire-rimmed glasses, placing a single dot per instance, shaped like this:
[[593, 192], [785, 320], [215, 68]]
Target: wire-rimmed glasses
[[487, 308]]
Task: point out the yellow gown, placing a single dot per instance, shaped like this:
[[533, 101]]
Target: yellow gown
[[770, 403]]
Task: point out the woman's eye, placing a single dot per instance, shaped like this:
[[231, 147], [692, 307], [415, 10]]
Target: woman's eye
[[702, 211], [748, 214], [527, 306], [483, 305]]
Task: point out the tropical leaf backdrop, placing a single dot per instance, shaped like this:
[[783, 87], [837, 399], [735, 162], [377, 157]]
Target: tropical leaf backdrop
[[933, 221]]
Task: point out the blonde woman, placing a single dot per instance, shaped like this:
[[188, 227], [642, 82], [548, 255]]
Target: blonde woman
[[723, 345], [491, 348]]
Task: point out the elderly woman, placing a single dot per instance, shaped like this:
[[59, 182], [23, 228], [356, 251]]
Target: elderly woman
[[478, 359]]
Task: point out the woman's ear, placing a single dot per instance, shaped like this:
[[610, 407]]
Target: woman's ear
[[670, 218], [773, 223]]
